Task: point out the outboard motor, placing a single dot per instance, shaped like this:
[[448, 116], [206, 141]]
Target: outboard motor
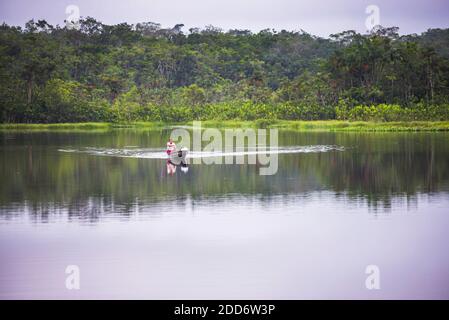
[[183, 152]]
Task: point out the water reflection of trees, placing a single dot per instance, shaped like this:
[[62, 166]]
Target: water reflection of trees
[[376, 168]]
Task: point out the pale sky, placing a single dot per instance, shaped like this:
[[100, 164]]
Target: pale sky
[[318, 17]]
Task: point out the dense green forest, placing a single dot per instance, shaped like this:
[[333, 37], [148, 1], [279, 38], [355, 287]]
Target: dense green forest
[[144, 72]]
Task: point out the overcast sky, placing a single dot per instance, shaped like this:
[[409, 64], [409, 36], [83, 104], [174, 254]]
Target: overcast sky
[[318, 17]]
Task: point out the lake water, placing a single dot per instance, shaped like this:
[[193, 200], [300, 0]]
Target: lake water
[[339, 203]]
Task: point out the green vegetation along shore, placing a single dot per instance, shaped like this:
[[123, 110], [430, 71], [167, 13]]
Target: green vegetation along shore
[[143, 72], [324, 125]]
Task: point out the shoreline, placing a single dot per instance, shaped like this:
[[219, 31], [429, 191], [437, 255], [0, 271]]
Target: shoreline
[[296, 125]]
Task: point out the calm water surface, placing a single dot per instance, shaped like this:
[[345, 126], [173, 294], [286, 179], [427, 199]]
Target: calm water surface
[[339, 202]]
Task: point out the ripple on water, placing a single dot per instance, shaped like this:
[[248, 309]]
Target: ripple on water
[[156, 153]]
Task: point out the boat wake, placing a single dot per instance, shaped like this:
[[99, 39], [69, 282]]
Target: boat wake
[[156, 153]]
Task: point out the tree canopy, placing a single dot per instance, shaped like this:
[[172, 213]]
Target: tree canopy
[[129, 72]]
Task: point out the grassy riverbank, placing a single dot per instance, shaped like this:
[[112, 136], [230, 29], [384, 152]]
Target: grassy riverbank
[[327, 125]]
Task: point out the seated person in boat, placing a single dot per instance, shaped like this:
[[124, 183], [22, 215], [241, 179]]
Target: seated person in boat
[[171, 146]]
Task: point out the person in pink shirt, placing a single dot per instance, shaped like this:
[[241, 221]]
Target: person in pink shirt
[[171, 146]]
